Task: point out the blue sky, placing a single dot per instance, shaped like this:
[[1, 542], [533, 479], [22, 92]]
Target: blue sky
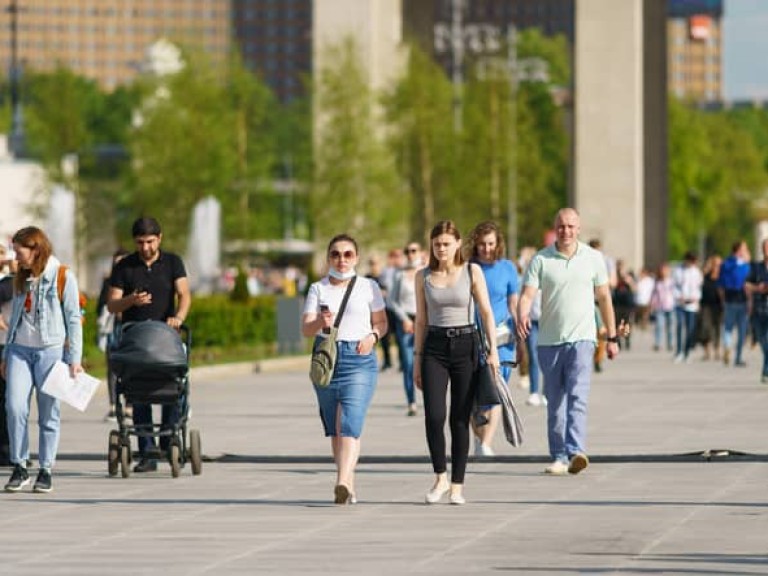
[[745, 45]]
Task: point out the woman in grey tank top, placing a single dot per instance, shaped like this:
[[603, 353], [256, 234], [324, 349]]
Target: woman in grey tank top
[[446, 350]]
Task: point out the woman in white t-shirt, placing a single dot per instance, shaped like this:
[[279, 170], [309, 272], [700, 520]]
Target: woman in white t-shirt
[[344, 402]]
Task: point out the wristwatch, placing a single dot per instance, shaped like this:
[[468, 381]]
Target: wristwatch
[[613, 339]]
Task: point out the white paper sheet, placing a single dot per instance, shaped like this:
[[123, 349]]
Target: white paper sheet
[[77, 392]]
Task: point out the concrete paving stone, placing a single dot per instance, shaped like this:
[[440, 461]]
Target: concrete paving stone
[[648, 504]]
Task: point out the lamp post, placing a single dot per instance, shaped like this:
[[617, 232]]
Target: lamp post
[[16, 140]]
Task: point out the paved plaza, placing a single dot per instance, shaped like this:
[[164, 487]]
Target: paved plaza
[[678, 485]]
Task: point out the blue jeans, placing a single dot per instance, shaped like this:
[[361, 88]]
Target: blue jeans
[[686, 331], [350, 391], [405, 349], [761, 330], [662, 328], [735, 316], [531, 343], [27, 368], [567, 369]]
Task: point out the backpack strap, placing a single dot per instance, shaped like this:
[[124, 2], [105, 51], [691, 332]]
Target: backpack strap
[[61, 281]]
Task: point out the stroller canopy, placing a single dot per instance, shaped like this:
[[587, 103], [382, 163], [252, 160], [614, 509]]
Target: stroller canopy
[[149, 344]]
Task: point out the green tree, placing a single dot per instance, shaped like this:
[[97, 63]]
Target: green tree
[[421, 138], [203, 133], [355, 187], [715, 172]]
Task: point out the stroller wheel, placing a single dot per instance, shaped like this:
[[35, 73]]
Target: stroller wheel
[[195, 452], [113, 452], [175, 458], [125, 460]]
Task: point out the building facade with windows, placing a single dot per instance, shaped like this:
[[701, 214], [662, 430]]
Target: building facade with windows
[[695, 49], [275, 40], [107, 40]]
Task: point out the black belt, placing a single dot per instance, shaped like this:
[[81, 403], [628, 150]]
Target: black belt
[[451, 332]]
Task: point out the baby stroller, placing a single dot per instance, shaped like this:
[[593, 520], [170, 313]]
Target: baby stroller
[[151, 366]]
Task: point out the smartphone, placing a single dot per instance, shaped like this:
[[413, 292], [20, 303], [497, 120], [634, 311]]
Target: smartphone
[[324, 308]]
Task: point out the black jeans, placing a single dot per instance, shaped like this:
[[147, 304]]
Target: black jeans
[[447, 359]]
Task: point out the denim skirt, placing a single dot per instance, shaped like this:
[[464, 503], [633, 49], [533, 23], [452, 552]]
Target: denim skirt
[[350, 392]]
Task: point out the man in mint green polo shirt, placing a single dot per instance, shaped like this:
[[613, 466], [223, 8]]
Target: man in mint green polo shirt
[[570, 275]]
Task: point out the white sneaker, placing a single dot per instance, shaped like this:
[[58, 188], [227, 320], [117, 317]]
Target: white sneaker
[[679, 358], [557, 468], [544, 400], [486, 450], [525, 382], [534, 400]]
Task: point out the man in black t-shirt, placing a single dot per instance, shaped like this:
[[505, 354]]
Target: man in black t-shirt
[[150, 285]]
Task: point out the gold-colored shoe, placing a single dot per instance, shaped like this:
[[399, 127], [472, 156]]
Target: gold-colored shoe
[[578, 463], [341, 494]]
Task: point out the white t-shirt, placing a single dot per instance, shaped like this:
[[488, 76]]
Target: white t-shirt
[[644, 290], [365, 298]]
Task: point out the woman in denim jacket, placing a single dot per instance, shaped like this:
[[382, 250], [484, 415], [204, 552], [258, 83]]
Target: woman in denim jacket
[[43, 330]]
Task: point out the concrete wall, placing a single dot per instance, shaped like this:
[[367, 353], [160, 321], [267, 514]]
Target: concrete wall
[[608, 154], [377, 27]]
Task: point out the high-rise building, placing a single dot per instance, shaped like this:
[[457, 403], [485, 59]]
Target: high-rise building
[[695, 54], [106, 40], [275, 40]]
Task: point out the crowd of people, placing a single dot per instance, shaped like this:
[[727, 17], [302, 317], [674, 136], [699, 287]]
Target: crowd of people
[[449, 308], [437, 303], [719, 305]]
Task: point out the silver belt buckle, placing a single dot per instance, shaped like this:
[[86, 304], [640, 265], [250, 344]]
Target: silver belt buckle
[[451, 332]]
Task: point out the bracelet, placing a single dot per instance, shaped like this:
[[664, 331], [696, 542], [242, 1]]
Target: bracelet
[[613, 339]]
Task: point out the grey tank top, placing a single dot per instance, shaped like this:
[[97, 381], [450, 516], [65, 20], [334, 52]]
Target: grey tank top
[[451, 305]]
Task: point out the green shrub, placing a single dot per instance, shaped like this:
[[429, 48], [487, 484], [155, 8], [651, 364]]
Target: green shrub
[[215, 322], [220, 321]]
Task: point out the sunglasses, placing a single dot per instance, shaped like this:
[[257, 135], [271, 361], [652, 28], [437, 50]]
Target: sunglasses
[[411, 250], [348, 254]]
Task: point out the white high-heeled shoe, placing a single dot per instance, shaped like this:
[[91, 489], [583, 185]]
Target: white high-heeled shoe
[[457, 499], [436, 494]]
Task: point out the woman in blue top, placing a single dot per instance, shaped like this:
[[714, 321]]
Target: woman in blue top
[[487, 244]]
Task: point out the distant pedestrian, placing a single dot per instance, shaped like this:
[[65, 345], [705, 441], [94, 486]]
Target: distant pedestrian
[[570, 275], [624, 298], [687, 281], [643, 293], [401, 301], [109, 325], [386, 278], [44, 329], [711, 313], [733, 276], [446, 348], [663, 308], [757, 285], [487, 251], [344, 402]]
